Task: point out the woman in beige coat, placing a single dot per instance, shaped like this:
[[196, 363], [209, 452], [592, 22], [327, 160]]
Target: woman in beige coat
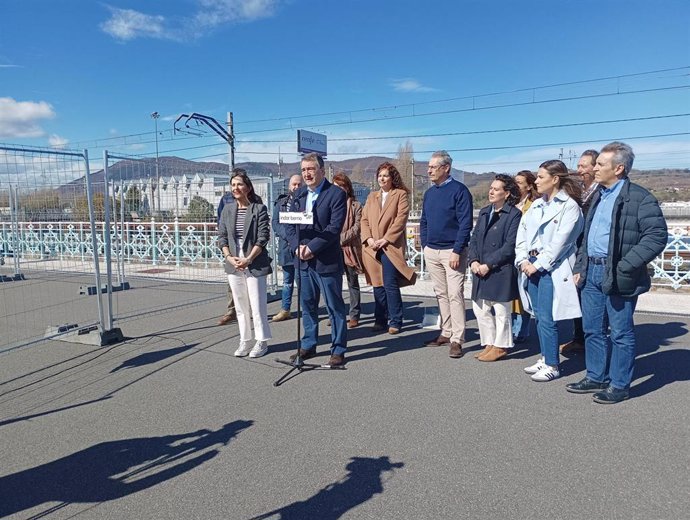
[[384, 223]]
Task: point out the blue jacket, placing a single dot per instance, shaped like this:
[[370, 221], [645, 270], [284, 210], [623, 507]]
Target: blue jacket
[[285, 254], [323, 237], [638, 235]]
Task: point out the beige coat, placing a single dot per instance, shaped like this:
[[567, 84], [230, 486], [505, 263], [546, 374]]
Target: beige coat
[[389, 222]]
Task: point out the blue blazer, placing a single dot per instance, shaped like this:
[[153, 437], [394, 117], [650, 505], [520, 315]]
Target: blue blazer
[[323, 237]]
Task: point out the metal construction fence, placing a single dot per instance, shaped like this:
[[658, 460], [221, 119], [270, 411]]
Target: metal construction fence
[[69, 237]]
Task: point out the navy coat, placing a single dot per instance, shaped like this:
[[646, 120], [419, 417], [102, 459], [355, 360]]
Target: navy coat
[[323, 237], [495, 246]]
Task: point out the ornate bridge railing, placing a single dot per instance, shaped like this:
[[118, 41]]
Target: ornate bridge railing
[[195, 245]]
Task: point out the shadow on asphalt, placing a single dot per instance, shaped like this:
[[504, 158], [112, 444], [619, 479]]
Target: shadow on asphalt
[[660, 366], [152, 357], [363, 480], [112, 470]]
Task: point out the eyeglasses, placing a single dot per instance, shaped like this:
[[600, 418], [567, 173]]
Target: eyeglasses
[[435, 166]]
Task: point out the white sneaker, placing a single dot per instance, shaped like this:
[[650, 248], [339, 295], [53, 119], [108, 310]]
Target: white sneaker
[[547, 373], [533, 369], [259, 349], [244, 349]]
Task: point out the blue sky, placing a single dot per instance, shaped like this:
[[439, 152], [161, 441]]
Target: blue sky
[[86, 74]]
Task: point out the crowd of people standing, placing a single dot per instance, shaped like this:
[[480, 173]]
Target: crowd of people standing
[[554, 246]]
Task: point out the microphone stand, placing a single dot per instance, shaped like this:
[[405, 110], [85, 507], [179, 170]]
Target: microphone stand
[[298, 363]]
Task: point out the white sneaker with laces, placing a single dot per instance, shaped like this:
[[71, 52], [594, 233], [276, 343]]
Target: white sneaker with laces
[[533, 369], [259, 349], [547, 373], [244, 349]]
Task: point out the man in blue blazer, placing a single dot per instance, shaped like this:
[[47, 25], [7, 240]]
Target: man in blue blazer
[[320, 258]]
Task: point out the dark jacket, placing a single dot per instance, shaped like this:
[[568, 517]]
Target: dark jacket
[[323, 237], [285, 254], [638, 235], [495, 247], [256, 231]]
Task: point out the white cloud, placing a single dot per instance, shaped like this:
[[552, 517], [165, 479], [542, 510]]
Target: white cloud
[[22, 118], [128, 24], [410, 85], [57, 142], [8, 66]]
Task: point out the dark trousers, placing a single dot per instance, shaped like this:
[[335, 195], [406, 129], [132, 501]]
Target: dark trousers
[[353, 288], [388, 307]]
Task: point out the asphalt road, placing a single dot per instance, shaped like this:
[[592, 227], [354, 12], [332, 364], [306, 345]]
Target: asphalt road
[[169, 425]]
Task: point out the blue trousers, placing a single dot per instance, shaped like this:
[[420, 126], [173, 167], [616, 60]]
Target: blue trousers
[[521, 323], [609, 359], [312, 286], [388, 306], [288, 286], [540, 291]]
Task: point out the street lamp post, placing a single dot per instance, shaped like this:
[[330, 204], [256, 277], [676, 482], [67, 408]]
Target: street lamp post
[[155, 117]]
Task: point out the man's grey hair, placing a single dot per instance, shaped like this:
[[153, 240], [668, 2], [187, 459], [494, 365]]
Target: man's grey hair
[[443, 157], [313, 157], [622, 154]]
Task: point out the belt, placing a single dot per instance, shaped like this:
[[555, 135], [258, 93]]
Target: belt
[[598, 261], [533, 252]]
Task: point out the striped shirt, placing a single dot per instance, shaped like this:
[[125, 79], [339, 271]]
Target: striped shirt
[[239, 225]]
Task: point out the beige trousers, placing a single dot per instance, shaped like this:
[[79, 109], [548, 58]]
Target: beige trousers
[[449, 287], [494, 328]]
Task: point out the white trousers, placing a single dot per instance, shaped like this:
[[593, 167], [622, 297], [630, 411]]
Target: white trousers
[[494, 328], [250, 297]]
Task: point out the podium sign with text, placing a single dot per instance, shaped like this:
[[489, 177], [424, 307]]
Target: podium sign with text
[[296, 217]]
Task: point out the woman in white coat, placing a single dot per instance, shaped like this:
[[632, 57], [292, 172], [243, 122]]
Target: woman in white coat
[[545, 254]]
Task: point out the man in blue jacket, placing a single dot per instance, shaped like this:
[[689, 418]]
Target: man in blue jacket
[[445, 228], [624, 231], [321, 259]]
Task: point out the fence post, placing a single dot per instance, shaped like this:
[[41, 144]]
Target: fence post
[[107, 245], [177, 242], [154, 243], [94, 242]]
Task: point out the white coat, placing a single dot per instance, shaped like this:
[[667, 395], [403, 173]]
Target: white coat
[[558, 225]]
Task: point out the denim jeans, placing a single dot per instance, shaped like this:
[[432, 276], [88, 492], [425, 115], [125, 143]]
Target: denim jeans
[[288, 286], [388, 306], [609, 359], [312, 285], [540, 289]]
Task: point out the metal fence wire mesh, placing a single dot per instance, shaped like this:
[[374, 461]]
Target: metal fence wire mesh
[[46, 244]]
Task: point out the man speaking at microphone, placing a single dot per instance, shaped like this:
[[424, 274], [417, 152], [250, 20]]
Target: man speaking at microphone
[[320, 259]]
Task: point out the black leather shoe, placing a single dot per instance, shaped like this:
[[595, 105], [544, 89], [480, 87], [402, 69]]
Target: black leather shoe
[[304, 354], [610, 396], [586, 386]]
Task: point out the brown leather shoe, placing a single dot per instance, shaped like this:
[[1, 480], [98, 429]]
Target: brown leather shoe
[[304, 354], [486, 350], [351, 324], [437, 342], [570, 347], [282, 315], [494, 354], [455, 350], [393, 331], [336, 360], [227, 318]]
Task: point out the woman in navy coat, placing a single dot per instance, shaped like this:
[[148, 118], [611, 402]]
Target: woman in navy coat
[[494, 277]]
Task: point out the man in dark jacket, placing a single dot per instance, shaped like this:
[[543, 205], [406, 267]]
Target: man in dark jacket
[[624, 231], [286, 258]]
